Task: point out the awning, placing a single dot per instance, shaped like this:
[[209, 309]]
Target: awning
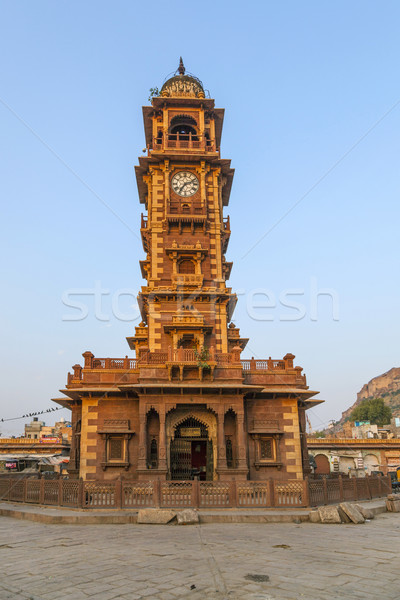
[[43, 459]]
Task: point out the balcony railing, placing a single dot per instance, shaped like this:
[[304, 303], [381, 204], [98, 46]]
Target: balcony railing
[[188, 320], [184, 142], [263, 365], [187, 279], [183, 355], [114, 363], [183, 207]]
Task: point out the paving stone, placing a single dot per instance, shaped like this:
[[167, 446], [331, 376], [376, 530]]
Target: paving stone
[[352, 512], [155, 516], [343, 563], [393, 503], [314, 516], [189, 516], [329, 514], [366, 512], [344, 517]]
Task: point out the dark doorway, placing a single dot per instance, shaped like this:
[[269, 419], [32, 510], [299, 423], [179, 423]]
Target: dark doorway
[[191, 453], [199, 458]]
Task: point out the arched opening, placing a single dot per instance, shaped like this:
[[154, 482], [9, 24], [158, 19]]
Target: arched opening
[[371, 463], [230, 439], [187, 266], [153, 453], [191, 451], [183, 128], [322, 462], [153, 434], [187, 341]]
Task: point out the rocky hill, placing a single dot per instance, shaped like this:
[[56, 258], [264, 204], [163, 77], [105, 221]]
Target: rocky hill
[[386, 386]]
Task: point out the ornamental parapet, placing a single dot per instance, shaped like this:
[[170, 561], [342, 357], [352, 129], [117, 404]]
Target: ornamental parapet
[[273, 372], [186, 364], [352, 442]]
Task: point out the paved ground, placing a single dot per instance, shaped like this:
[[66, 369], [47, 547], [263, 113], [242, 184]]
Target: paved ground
[[216, 562]]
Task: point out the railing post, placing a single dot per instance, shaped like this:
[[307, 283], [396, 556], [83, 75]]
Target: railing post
[[380, 485], [80, 494], [156, 493], [306, 491], [118, 493], [25, 490], [9, 489], [233, 496], [60, 492], [325, 484], [341, 497], [368, 487], [271, 490], [355, 489], [41, 491], [88, 356], [195, 493]]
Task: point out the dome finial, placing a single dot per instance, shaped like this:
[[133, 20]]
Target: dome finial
[[181, 67]]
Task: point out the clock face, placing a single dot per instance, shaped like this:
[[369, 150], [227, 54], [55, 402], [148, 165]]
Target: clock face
[[185, 183]]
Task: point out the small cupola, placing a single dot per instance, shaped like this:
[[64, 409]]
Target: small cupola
[[182, 85]]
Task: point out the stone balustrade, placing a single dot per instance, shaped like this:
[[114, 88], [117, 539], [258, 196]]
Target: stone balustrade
[[253, 370]]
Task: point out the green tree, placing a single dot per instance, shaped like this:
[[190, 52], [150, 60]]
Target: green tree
[[374, 410], [320, 434]]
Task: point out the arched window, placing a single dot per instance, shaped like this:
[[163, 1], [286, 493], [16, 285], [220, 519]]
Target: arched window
[[229, 453], [153, 454], [181, 126], [186, 266]]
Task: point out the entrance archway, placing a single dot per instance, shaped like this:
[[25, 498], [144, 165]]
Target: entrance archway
[[322, 467], [191, 448]]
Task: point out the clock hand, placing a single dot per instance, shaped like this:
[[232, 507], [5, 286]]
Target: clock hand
[[185, 184]]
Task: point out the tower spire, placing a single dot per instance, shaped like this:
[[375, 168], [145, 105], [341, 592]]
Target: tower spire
[[181, 67]]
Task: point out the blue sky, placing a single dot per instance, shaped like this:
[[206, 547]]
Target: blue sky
[[312, 99]]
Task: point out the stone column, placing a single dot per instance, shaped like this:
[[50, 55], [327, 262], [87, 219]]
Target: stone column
[[303, 439], [221, 456], [142, 462], [162, 451], [241, 439]]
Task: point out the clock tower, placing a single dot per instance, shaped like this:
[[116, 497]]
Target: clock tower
[[184, 186], [186, 405]]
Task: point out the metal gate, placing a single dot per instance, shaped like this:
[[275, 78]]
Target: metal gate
[[181, 459], [182, 463], [210, 461]]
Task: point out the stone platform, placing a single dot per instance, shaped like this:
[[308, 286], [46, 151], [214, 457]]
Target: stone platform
[[71, 516]]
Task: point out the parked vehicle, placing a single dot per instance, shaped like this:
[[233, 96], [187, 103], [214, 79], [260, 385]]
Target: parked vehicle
[[395, 478]]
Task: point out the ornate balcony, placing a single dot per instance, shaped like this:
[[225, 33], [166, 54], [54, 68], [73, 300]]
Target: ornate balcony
[[187, 279], [183, 142], [106, 371]]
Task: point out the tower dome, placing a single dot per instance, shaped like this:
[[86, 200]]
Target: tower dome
[[182, 85]]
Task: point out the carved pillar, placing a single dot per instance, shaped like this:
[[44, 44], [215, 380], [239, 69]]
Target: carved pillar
[[142, 463], [241, 437], [303, 439], [221, 439], [162, 451]]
